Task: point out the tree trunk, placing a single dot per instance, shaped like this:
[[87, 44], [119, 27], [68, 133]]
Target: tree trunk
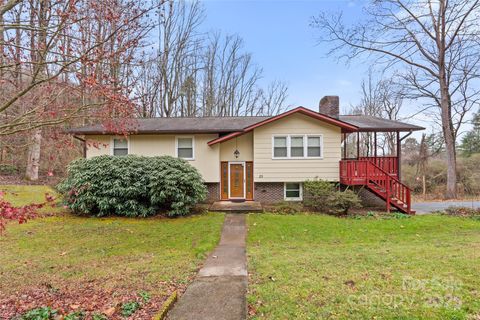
[[449, 136], [424, 188], [451, 192], [39, 52], [33, 157]]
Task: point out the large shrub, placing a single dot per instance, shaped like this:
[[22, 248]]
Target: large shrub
[[132, 186], [322, 196]]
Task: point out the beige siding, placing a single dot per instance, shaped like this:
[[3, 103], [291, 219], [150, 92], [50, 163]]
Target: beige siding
[[207, 159], [98, 145], [243, 143], [152, 145], [296, 170], [256, 146]]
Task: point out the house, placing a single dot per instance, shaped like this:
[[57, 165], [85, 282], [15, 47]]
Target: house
[[266, 159]]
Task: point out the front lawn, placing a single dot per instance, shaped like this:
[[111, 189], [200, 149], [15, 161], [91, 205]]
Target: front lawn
[[21, 195], [322, 267], [95, 264]]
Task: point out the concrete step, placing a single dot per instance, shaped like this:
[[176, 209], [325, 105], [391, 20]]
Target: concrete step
[[236, 207]]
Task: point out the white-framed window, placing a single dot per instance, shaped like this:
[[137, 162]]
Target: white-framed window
[[280, 148], [314, 146], [185, 148], [293, 191], [297, 146], [120, 146]]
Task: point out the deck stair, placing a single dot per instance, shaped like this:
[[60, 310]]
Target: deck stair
[[384, 184]]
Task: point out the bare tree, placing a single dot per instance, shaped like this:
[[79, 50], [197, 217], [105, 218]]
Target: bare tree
[[62, 58], [381, 98], [197, 74], [178, 45], [147, 87], [273, 99], [167, 77], [230, 78], [435, 42]]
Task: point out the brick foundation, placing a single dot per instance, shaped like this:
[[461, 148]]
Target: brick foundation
[[213, 192], [269, 192], [273, 192], [265, 192]]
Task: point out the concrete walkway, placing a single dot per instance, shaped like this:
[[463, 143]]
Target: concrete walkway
[[428, 207], [219, 290]]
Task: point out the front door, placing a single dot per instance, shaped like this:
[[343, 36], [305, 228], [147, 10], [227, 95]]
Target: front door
[[236, 180]]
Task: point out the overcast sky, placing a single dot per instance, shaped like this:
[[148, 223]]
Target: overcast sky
[[278, 35]]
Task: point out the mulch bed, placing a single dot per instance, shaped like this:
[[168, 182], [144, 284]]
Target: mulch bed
[[87, 298]]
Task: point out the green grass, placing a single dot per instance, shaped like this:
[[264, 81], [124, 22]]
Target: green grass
[[137, 253], [20, 195], [321, 267]]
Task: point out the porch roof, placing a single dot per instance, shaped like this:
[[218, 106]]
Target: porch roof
[[375, 124]]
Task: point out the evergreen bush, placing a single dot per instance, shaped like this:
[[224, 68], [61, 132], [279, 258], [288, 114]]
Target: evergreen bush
[[322, 196], [132, 186]]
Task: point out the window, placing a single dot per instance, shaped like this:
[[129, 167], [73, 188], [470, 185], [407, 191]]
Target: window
[[120, 147], [293, 191], [297, 146], [280, 147], [185, 148], [313, 146]]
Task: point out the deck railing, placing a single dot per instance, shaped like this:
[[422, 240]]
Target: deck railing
[[366, 172], [388, 164]]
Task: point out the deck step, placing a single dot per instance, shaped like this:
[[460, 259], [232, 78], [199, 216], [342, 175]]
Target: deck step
[[374, 175]]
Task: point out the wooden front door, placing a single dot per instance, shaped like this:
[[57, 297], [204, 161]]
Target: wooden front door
[[236, 180]]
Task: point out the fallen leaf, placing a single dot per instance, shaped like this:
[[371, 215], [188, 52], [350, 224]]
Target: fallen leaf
[[109, 312]]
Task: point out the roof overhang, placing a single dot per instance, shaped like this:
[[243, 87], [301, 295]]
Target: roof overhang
[[138, 132], [366, 123], [389, 129], [346, 127]]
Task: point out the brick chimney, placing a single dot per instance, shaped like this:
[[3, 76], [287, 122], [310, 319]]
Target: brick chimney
[[330, 105]]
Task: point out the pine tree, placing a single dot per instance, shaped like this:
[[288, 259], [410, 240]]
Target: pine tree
[[471, 140]]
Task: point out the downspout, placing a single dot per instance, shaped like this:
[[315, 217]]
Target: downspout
[[84, 145]]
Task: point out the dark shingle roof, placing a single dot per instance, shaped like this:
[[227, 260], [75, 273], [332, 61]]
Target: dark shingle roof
[[233, 124], [180, 125], [369, 123]]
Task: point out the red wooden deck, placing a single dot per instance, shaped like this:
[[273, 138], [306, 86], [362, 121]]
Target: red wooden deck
[[380, 175]]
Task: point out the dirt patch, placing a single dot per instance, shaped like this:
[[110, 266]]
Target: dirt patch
[[463, 212], [88, 297]]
